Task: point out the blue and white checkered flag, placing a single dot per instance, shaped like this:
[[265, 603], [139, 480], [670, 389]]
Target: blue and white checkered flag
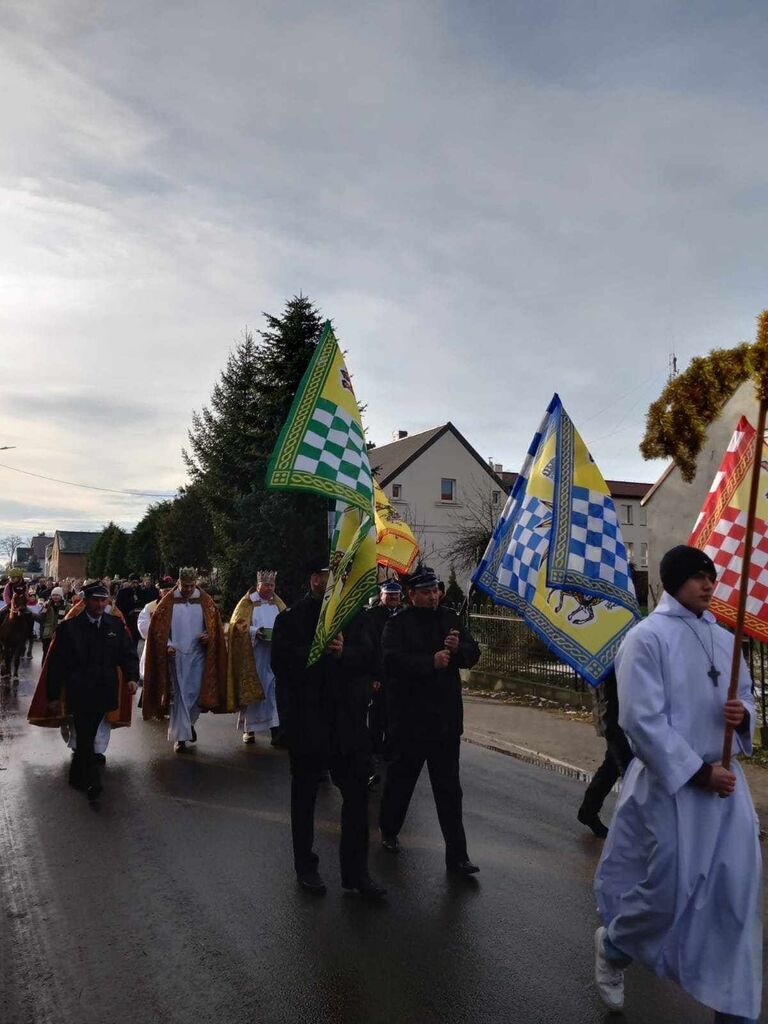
[[557, 556]]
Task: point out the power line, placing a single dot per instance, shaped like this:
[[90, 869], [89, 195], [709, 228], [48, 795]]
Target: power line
[[620, 398], [88, 487]]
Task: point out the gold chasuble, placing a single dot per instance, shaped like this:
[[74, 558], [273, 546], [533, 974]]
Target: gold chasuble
[[40, 714], [158, 688], [243, 684]]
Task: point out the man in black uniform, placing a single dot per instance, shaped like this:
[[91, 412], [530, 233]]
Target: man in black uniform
[[618, 754], [127, 601], [424, 648], [322, 711], [83, 662], [390, 603]]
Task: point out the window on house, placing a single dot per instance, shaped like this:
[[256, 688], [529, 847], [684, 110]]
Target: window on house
[[644, 555], [397, 490], [643, 516], [630, 552], [495, 498], [626, 515], [447, 489]]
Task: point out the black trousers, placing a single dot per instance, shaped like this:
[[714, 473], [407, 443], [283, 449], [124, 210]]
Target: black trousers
[[618, 754], [442, 757], [377, 723], [84, 771], [350, 775]]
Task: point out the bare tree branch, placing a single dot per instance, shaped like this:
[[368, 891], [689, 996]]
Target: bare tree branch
[[473, 526]]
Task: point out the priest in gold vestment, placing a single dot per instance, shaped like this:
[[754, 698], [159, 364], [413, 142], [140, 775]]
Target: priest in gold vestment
[[250, 679]]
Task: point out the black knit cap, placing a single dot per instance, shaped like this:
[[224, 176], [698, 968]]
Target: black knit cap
[[682, 562]]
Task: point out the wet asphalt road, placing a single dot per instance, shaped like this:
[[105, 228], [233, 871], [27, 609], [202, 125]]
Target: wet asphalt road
[[175, 900]]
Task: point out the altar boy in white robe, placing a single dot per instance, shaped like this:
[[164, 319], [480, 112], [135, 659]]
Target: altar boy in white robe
[[185, 664], [679, 882]]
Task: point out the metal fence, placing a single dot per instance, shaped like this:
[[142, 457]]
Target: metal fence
[[757, 659], [509, 648]]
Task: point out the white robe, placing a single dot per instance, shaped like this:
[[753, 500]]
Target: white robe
[[142, 624], [186, 668], [679, 881], [261, 715]]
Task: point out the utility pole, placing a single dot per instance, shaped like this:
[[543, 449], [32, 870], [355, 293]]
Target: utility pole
[[672, 367]]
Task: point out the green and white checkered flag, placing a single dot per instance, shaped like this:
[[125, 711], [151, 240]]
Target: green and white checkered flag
[[321, 447]]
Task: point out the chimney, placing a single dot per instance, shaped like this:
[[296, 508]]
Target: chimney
[[498, 467], [400, 434]]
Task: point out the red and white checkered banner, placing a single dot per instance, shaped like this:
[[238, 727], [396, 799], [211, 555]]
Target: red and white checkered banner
[[721, 528]]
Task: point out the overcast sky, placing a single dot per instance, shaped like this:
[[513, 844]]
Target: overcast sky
[[492, 200]]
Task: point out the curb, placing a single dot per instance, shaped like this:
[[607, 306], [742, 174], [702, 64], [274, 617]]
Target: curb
[[528, 756]]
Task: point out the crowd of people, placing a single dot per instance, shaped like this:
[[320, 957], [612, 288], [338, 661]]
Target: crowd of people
[[679, 881]]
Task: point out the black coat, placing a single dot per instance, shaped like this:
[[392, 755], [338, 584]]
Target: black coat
[[145, 595], [423, 702], [127, 601], [84, 661], [322, 708], [377, 618]]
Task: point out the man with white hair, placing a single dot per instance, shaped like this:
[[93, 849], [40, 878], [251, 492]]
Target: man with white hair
[[250, 679]]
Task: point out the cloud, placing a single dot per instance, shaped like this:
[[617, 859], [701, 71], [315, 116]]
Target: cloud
[[491, 207]]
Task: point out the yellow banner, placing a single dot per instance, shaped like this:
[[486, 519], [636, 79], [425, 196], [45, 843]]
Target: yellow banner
[[352, 577], [396, 546]]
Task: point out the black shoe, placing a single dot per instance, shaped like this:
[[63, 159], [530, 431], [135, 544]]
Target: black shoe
[[312, 882], [194, 736], [368, 889], [374, 780], [463, 867], [592, 821], [99, 759], [93, 792], [391, 843], [276, 737]]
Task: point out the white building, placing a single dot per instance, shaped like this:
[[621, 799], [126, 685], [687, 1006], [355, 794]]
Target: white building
[[438, 483], [672, 505]]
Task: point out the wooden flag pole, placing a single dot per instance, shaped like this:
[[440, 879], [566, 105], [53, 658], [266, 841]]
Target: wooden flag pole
[[745, 566]]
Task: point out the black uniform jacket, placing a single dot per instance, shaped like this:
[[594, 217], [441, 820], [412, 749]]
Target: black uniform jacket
[[423, 702], [322, 708], [84, 662], [377, 618]]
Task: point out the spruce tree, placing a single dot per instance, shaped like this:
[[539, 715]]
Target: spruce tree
[[454, 595], [185, 533], [96, 563], [116, 563], [229, 447], [144, 554]]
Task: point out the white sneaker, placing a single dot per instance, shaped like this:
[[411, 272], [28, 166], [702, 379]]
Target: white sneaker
[[608, 978]]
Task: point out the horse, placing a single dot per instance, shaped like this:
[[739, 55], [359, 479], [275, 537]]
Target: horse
[[14, 633]]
